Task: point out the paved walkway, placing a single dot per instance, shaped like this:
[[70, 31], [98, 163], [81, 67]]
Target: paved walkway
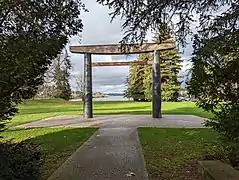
[[187, 121], [110, 154], [114, 152]]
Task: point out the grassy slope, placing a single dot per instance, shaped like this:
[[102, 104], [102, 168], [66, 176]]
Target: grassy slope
[[57, 144], [172, 153], [39, 109]]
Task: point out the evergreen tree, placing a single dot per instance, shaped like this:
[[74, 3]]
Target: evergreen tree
[[56, 79], [147, 79], [170, 65], [214, 78], [140, 78], [62, 67], [135, 88]]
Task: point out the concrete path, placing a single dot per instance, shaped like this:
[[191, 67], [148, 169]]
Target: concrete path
[[114, 152], [110, 154], [103, 121]]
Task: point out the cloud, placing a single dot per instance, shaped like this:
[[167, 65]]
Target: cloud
[[97, 26], [99, 30], [109, 88]]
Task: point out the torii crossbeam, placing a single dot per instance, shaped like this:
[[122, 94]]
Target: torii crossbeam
[[117, 49], [122, 63]]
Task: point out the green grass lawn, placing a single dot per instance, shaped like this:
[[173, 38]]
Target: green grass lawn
[[33, 110], [172, 154], [57, 144], [165, 149]]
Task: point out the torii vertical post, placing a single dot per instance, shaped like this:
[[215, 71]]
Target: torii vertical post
[[156, 78], [88, 109], [116, 49]]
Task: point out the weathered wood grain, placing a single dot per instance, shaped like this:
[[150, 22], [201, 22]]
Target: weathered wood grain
[[121, 63], [117, 49], [88, 107], [156, 89]]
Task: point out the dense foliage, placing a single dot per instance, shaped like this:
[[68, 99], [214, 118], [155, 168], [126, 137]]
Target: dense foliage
[[61, 75], [56, 79], [140, 77], [215, 77], [142, 15], [170, 65], [32, 33], [135, 81], [214, 83], [215, 71], [19, 161]]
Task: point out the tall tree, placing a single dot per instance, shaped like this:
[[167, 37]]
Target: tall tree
[[56, 81], [214, 80], [32, 33], [62, 67], [170, 65], [47, 90], [142, 15], [79, 85], [140, 78], [135, 81]]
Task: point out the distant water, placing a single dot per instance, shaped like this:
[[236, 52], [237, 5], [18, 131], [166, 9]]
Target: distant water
[[107, 98], [112, 98]]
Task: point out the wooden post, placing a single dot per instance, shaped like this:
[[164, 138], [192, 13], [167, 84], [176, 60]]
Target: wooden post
[[156, 94], [88, 108]]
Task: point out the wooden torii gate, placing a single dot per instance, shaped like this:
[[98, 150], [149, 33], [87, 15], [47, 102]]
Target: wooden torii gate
[[116, 49]]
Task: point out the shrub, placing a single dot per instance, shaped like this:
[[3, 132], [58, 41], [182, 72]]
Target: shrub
[[32, 33], [226, 121], [214, 82], [19, 161]]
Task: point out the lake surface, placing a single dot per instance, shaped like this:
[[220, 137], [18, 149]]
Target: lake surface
[[111, 98], [107, 98]]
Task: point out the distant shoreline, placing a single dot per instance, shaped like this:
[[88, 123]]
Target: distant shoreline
[[107, 98]]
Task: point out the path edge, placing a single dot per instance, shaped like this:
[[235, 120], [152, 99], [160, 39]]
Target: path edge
[[142, 154], [51, 177]]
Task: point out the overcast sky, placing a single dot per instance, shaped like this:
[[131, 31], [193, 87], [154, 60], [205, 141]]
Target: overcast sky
[[99, 30]]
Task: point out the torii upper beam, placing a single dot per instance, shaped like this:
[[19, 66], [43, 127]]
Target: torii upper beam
[[118, 49]]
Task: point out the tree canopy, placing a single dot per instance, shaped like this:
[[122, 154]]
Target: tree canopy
[[140, 77], [61, 76], [143, 15], [215, 85], [137, 79], [214, 79], [32, 33]]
